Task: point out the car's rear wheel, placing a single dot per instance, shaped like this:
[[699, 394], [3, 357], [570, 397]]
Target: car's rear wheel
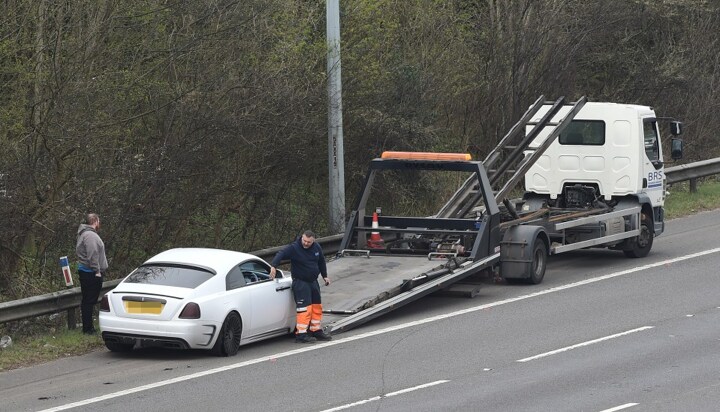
[[228, 342], [119, 347]]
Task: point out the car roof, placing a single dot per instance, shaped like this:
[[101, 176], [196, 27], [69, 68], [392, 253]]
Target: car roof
[[221, 261]]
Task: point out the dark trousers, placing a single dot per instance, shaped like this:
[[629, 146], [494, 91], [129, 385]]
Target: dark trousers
[[90, 286], [306, 293]]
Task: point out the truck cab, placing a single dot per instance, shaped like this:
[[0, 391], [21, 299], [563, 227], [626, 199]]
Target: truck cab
[[610, 153]]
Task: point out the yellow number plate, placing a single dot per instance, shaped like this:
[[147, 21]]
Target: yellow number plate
[[146, 308]]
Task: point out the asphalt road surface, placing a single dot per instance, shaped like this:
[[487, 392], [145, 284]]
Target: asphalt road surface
[[601, 333]]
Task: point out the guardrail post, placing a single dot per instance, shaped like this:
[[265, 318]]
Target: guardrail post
[[693, 185], [71, 319], [67, 275]]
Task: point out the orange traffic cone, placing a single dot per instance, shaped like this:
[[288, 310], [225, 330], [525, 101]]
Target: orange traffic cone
[[375, 241]]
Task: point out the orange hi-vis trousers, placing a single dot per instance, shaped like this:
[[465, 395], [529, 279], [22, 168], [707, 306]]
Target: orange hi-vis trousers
[[308, 305], [309, 317]]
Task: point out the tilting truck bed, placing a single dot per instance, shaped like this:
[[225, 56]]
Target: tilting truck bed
[[359, 282], [370, 280], [364, 288]]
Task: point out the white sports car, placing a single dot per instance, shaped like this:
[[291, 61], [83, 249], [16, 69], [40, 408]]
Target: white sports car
[[199, 299]]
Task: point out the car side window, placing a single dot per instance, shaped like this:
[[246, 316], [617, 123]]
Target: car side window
[[254, 271], [234, 279]]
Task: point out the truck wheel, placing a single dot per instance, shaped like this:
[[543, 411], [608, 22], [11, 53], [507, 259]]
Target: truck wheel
[[523, 254], [539, 263], [641, 244]]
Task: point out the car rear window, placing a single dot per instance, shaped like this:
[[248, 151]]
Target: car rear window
[[168, 275]]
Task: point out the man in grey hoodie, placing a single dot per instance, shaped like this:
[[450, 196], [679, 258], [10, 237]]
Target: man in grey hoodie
[[92, 263]]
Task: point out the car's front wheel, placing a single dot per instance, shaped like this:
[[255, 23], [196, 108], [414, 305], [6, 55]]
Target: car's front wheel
[[228, 342]]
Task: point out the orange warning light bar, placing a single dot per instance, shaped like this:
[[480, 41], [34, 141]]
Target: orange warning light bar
[[463, 157]]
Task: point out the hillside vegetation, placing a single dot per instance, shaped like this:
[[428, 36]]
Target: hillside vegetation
[[204, 123]]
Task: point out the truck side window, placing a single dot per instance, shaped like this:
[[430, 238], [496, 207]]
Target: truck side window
[[652, 149], [584, 133]]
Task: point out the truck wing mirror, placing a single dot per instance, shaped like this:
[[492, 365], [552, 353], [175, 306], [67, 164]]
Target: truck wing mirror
[[676, 128], [676, 149]]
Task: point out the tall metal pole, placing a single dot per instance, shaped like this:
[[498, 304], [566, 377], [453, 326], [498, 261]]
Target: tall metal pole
[[336, 163]]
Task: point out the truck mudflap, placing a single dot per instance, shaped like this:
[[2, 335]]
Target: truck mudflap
[[364, 288]]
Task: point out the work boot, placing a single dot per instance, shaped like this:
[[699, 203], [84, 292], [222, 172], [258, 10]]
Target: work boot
[[321, 335], [304, 338]]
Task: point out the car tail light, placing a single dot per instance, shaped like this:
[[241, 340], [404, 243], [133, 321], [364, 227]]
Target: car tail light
[[190, 311], [105, 304]]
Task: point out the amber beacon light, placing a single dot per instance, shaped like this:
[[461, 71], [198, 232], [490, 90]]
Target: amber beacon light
[[426, 156]]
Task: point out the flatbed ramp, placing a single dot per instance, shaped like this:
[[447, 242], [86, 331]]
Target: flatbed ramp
[[365, 287]]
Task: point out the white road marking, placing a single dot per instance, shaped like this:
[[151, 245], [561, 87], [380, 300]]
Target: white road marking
[[621, 407], [350, 405], [579, 345], [414, 388], [387, 395], [373, 333]]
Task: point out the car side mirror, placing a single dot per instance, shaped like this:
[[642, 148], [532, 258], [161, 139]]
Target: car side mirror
[[676, 128], [676, 149]]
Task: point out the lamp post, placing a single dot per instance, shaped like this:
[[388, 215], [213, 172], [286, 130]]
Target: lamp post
[[336, 163]]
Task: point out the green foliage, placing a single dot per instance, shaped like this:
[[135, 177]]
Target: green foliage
[[415, 193], [205, 123]]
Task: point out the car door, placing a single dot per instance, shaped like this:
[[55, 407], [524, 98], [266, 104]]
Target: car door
[[271, 298], [237, 297]]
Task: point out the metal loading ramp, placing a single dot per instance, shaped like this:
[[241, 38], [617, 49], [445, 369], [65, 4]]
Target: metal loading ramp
[[364, 288], [421, 255], [359, 282]]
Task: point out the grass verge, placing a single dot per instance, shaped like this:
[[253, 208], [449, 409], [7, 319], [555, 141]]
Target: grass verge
[[682, 202], [34, 345]]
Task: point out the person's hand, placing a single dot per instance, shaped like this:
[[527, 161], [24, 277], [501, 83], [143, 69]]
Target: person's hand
[[272, 272], [327, 281]]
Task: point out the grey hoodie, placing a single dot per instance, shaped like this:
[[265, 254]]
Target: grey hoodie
[[90, 249]]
